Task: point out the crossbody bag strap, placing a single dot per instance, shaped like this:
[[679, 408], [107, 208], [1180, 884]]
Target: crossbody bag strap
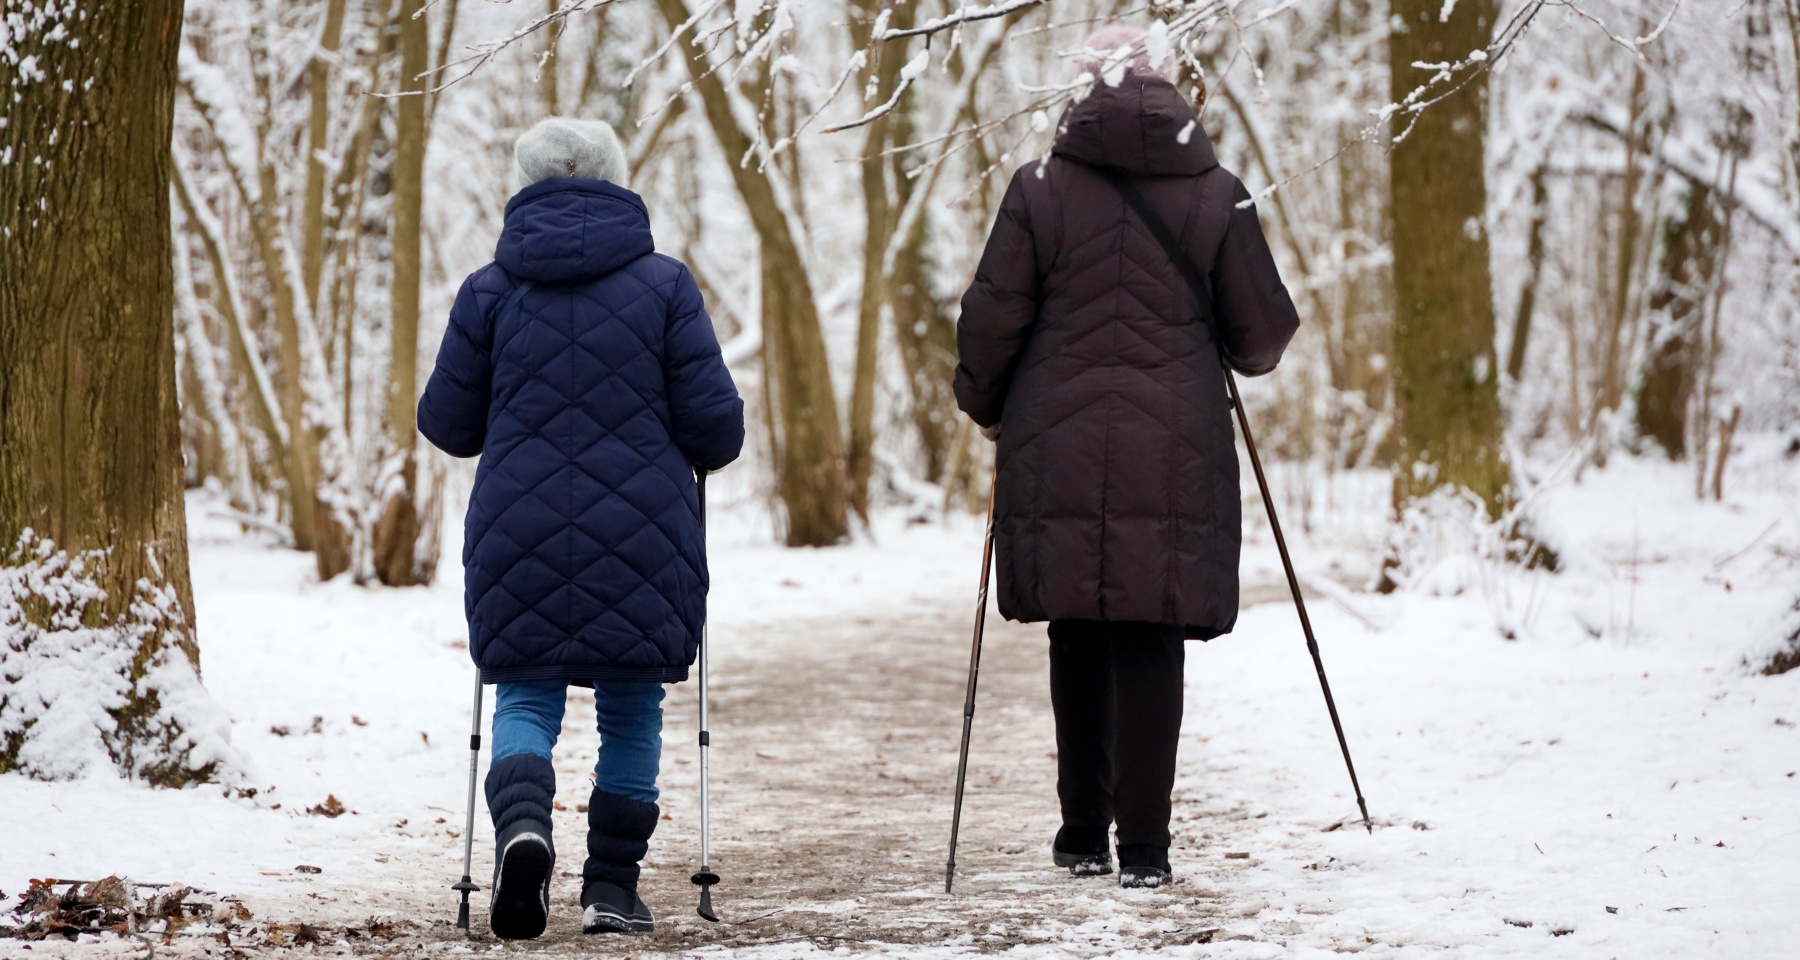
[[1196, 281], [512, 301]]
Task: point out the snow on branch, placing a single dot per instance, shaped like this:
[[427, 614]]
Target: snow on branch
[[480, 53], [964, 14], [909, 73], [1447, 78], [1635, 46]]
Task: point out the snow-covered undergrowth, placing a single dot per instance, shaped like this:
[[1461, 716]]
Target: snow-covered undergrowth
[[83, 694], [1585, 763], [1581, 763]]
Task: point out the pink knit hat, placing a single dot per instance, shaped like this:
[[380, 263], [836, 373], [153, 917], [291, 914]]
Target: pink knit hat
[[1107, 39]]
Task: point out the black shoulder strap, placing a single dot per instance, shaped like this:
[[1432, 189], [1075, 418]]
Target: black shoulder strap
[[1196, 281], [512, 301]]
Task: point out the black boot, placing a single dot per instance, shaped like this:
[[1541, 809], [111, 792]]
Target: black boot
[[1083, 850], [520, 791], [1144, 865], [619, 831]]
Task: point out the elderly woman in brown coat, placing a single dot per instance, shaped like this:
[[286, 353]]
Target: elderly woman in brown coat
[[1117, 516]]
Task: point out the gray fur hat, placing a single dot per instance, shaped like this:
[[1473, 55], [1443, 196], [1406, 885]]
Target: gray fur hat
[[565, 147]]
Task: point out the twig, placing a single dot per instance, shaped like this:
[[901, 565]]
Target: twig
[[1725, 561], [1635, 45]]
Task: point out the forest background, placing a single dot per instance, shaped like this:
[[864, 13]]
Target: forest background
[[1525, 238]]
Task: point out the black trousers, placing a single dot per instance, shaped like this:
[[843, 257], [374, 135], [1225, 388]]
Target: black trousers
[[1116, 690]]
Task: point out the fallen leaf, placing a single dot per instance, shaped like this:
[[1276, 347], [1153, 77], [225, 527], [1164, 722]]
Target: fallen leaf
[[331, 808]]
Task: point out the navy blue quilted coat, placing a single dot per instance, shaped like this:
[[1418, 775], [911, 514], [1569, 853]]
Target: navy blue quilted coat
[[590, 403]]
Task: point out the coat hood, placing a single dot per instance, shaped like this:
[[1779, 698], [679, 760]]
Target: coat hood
[[568, 229], [1136, 126]]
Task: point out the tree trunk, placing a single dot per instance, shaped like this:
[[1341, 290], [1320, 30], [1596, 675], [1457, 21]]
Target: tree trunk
[[1690, 256], [305, 511], [1612, 374], [1445, 375], [924, 330], [245, 357], [927, 339], [318, 88], [547, 67], [397, 562], [1534, 269], [316, 527], [808, 449], [94, 583], [878, 223]]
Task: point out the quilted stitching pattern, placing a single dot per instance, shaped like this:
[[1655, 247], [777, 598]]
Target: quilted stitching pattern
[[1118, 490], [590, 405]]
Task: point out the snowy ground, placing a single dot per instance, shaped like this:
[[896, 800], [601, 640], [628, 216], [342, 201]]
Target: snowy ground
[[1615, 780]]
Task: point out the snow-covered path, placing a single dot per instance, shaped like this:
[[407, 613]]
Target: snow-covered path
[[1626, 795]]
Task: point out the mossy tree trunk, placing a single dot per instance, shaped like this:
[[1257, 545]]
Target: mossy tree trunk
[[1445, 376], [90, 457]]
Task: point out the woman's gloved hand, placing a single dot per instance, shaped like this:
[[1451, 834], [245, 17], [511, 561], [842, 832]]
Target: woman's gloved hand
[[992, 433]]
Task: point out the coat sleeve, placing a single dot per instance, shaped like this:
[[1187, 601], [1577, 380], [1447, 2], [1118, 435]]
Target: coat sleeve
[[998, 310], [1254, 314], [453, 412], [707, 413]]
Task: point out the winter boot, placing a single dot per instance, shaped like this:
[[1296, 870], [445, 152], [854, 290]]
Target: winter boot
[[1083, 850], [619, 831], [1144, 865], [520, 791]]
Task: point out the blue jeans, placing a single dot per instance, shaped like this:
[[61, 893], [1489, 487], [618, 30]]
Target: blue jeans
[[528, 716]]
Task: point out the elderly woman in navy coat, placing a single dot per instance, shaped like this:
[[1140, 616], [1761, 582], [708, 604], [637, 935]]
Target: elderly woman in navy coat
[[582, 368]]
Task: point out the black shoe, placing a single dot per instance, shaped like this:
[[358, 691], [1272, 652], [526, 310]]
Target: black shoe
[[609, 908], [1083, 850], [520, 908], [1143, 865]]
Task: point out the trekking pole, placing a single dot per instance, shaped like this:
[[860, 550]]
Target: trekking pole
[[705, 878], [1312, 645], [962, 763], [467, 886]]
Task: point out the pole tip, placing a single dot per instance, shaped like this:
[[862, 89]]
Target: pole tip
[[949, 875], [705, 880]]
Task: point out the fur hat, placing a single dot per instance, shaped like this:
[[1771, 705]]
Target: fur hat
[[565, 147]]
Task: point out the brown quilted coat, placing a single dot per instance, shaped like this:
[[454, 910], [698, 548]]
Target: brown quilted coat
[[1118, 490]]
